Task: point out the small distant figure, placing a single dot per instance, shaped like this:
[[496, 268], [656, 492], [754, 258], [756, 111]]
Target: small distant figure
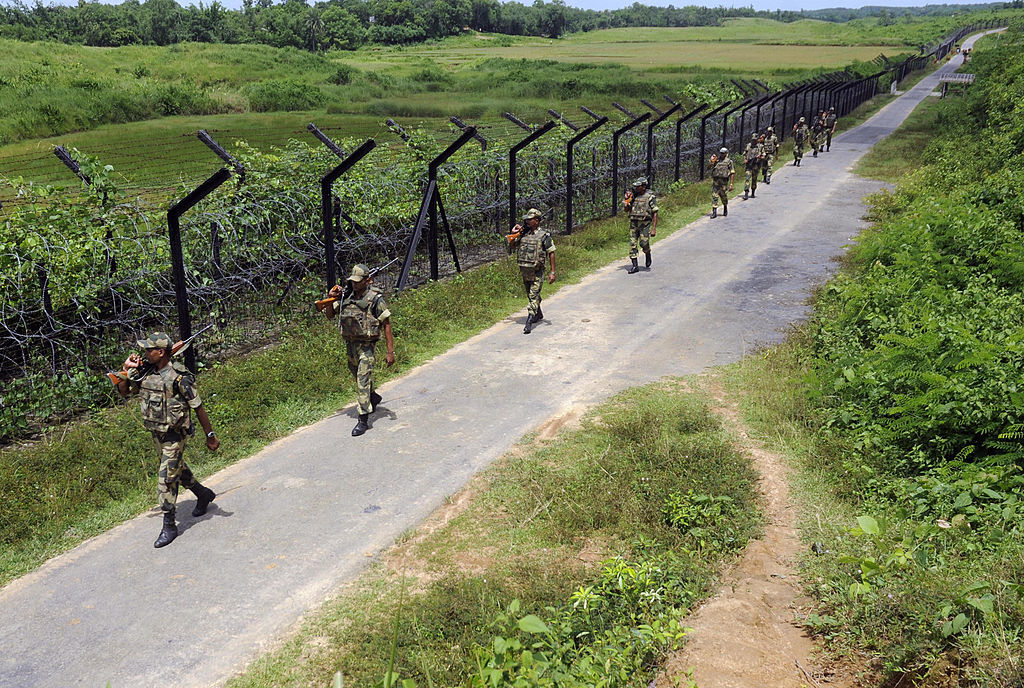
[[532, 244], [643, 221], [831, 120], [168, 394], [722, 176], [771, 149], [817, 133], [800, 136], [753, 160]]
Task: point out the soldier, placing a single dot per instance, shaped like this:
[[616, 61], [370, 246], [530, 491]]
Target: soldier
[[817, 133], [363, 316], [753, 159], [643, 221], [168, 394], [722, 175], [800, 135], [771, 149], [531, 243], [831, 120]]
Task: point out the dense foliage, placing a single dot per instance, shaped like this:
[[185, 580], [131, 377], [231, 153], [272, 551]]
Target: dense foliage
[[917, 356], [343, 24]]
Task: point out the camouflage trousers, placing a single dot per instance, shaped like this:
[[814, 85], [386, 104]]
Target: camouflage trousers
[[532, 282], [767, 169], [719, 189], [174, 472], [639, 233], [816, 142], [828, 140], [798, 151], [362, 356], [750, 180]]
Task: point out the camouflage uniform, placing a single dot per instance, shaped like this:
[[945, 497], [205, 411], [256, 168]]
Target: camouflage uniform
[[641, 213], [800, 135], [817, 134], [771, 149], [830, 125], [753, 158], [361, 322], [721, 170], [531, 250], [167, 397]]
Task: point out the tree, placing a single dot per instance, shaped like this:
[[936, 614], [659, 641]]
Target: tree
[[342, 30]]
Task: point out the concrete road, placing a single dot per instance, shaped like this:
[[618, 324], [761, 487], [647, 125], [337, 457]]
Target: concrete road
[[301, 518]]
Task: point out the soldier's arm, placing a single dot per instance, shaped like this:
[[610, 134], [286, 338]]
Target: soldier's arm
[[549, 246], [187, 389], [389, 341], [654, 215]]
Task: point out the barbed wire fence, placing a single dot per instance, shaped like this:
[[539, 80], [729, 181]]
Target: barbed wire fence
[[83, 274]]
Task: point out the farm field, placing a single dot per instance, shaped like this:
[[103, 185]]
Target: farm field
[[138, 107]]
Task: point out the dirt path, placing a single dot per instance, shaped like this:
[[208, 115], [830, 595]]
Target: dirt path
[[749, 635]]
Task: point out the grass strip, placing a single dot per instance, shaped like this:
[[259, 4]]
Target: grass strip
[[587, 550], [903, 151]]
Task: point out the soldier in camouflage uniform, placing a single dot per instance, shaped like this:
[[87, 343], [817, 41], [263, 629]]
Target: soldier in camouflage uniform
[[363, 316], [168, 394], [753, 161], [643, 222], [800, 136], [818, 133], [722, 176], [531, 243], [771, 149], [831, 120]]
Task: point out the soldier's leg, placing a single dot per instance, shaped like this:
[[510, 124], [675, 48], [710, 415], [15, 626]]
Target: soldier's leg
[[535, 287], [172, 465], [753, 182], [768, 169], [634, 236], [644, 236], [367, 357], [828, 142], [746, 181], [714, 193]]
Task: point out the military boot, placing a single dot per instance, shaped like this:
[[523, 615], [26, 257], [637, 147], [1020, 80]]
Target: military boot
[[528, 328], [647, 259], [714, 212], [375, 399], [746, 194], [362, 426], [204, 496], [768, 180], [815, 154], [169, 532], [753, 193], [725, 210], [540, 315], [635, 269]]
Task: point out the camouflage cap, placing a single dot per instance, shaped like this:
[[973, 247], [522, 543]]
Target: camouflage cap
[[770, 129], [723, 149], [531, 214], [753, 136], [640, 181], [832, 109], [359, 273], [157, 340], [802, 119]]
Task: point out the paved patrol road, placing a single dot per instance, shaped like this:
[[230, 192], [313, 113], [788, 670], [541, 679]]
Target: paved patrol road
[[296, 521]]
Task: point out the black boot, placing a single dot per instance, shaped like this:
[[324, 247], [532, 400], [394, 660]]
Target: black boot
[[768, 180], [169, 532], [746, 194], [725, 211], [204, 496], [647, 259], [753, 193], [362, 426], [714, 213], [375, 399], [540, 315], [815, 154], [635, 269], [528, 328]]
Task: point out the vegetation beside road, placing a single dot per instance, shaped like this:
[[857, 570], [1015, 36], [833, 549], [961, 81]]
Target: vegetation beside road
[[570, 562], [902, 404]]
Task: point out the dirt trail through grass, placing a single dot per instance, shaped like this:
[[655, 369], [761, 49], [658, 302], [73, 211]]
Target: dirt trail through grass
[[749, 634]]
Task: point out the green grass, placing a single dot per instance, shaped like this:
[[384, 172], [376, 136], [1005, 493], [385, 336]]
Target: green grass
[[88, 476], [902, 152], [535, 527]]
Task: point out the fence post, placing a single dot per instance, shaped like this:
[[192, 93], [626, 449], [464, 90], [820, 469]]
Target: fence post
[[569, 146], [679, 133], [174, 237], [513, 152], [326, 193], [616, 135]]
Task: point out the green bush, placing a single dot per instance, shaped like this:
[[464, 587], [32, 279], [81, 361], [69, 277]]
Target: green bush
[[277, 95]]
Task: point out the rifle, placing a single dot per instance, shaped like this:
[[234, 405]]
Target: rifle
[[145, 368], [322, 304]]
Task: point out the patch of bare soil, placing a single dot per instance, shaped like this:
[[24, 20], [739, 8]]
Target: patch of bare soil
[[748, 635]]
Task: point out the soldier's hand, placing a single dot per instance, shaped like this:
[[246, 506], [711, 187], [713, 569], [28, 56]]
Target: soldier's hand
[[551, 277], [654, 232], [730, 187], [212, 443], [335, 291], [390, 358], [131, 362]]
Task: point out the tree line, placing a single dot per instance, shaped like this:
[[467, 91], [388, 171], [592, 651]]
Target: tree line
[[335, 24]]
